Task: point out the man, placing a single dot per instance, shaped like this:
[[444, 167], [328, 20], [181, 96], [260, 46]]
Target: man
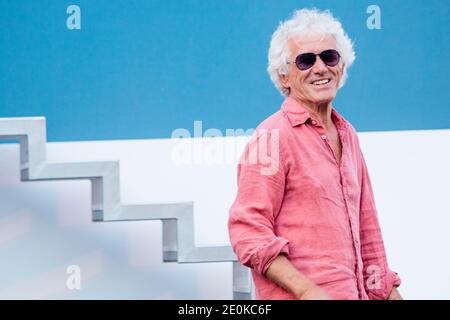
[[309, 229]]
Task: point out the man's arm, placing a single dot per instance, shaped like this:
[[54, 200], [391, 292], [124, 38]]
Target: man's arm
[[253, 213], [282, 272], [395, 294], [379, 281]]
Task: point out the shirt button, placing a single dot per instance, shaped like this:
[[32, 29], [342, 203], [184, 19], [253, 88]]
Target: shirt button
[[314, 122], [324, 137]]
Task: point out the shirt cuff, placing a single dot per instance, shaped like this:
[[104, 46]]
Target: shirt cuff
[[391, 279], [268, 252]]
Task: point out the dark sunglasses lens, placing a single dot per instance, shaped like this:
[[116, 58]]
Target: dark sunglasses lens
[[330, 57], [305, 61]]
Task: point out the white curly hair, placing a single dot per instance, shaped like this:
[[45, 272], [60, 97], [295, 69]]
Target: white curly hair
[[303, 22]]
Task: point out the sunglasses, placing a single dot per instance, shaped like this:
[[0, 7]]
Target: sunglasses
[[305, 61]]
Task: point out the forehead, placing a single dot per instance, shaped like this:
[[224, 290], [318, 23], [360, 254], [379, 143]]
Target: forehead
[[313, 42]]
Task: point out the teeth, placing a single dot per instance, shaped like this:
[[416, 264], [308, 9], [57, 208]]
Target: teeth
[[323, 81]]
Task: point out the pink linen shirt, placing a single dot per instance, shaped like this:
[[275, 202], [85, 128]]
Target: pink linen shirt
[[319, 212]]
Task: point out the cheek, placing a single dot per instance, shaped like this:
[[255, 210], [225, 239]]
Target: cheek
[[338, 76], [301, 80]]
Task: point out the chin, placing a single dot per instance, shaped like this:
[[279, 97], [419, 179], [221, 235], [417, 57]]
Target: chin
[[324, 98]]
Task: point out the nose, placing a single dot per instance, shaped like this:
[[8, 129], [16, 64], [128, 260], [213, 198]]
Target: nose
[[319, 66]]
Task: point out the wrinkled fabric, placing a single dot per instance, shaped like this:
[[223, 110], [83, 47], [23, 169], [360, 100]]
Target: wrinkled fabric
[[298, 200]]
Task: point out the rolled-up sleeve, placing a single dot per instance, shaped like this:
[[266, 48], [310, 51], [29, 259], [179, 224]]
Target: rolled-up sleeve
[[378, 278], [259, 197]]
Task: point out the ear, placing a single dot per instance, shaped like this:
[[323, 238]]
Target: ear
[[284, 79]]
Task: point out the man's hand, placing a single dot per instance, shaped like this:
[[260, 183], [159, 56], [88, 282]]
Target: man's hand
[[395, 295], [314, 293], [282, 272]]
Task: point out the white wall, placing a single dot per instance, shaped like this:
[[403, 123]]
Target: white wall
[[46, 226]]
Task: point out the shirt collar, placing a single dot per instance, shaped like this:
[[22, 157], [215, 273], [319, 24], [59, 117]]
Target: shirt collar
[[298, 114], [295, 112]]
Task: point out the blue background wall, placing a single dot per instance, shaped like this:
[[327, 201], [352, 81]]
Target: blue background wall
[[140, 69]]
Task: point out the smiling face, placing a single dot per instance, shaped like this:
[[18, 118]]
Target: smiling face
[[318, 84]]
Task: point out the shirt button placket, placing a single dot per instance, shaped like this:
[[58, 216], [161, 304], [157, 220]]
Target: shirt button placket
[[353, 232]]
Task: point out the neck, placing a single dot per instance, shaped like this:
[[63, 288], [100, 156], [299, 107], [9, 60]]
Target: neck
[[319, 111]]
